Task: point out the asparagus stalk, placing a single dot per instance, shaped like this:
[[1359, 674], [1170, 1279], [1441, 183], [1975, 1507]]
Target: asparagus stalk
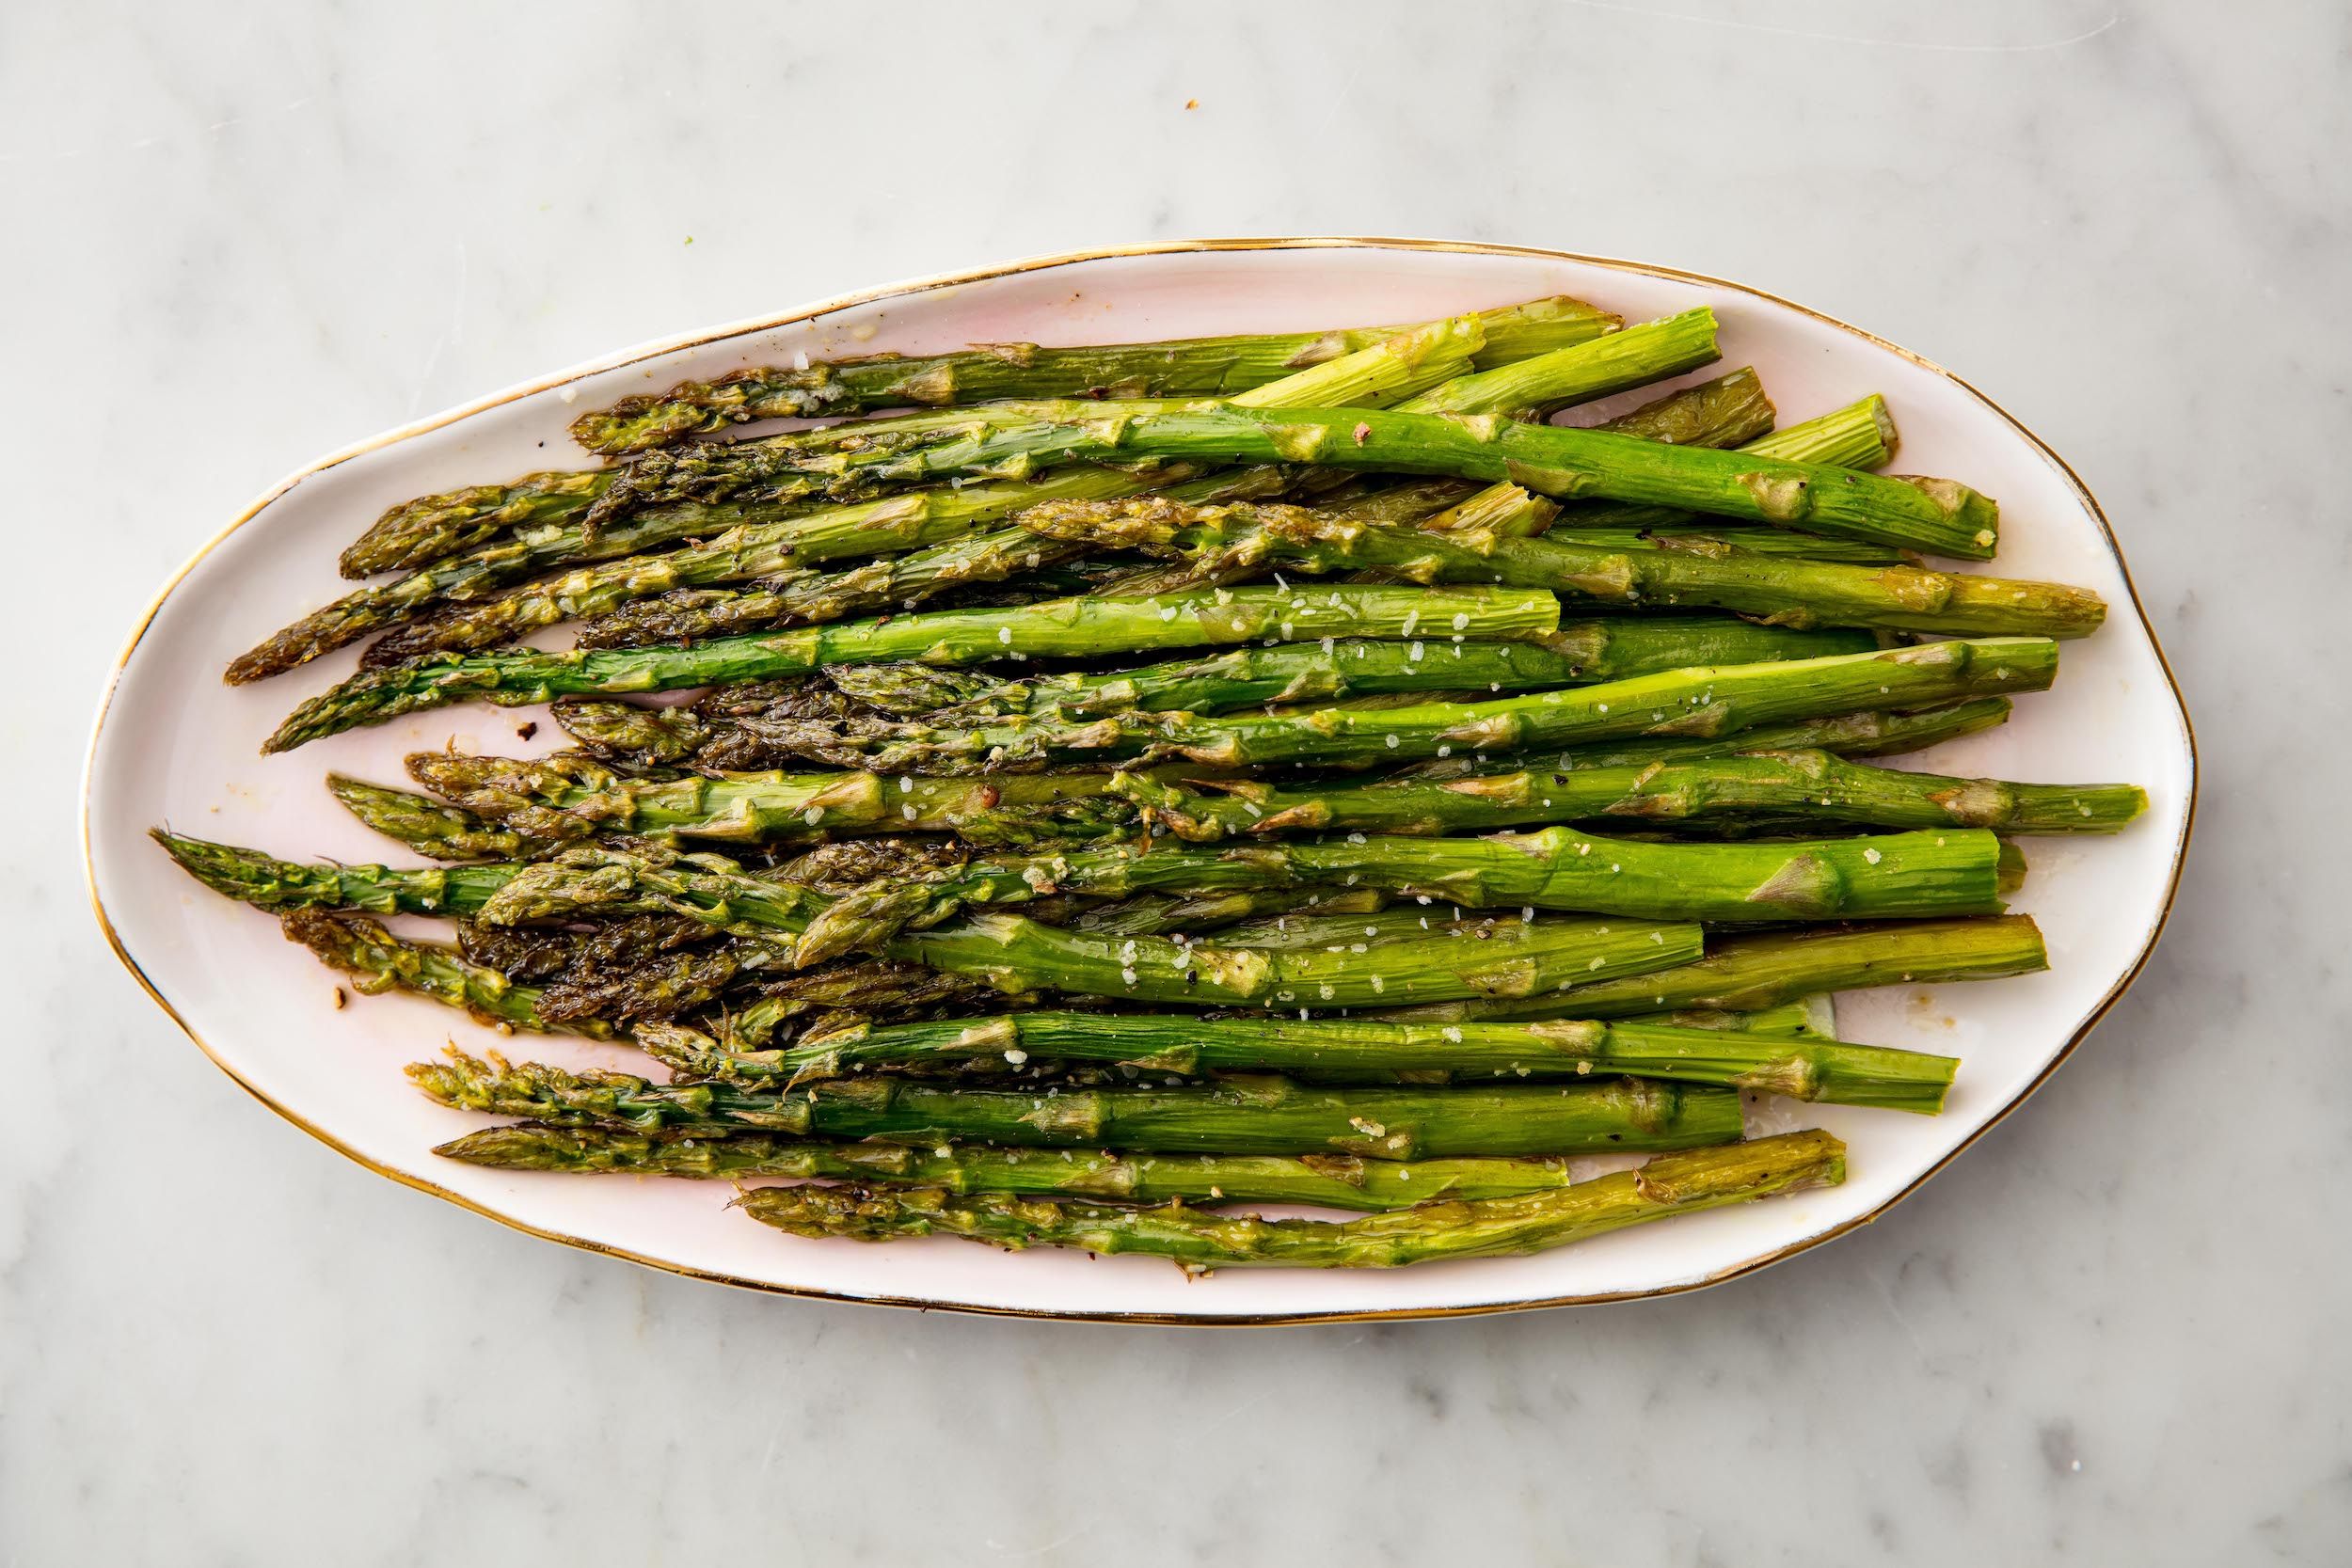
[[1337, 1051], [432, 527], [1057, 629], [1196, 367], [1734, 543], [377, 962], [897, 582], [1682, 705], [1810, 786], [1199, 1242], [746, 738], [1324, 1181], [1767, 969], [1264, 1116], [1157, 914], [1810, 1017], [568, 798], [708, 736], [1014, 954], [1724, 411], [1791, 592], [433, 828], [602, 998], [1914, 875], [1321, 926], [601, 1004], [278, 886], [1577, 653], [1937, 515], [417, 532], [1864, 734]]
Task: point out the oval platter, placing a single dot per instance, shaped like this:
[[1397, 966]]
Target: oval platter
[[172, 744]]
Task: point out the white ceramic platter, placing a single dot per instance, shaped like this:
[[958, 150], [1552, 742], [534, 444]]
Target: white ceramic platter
[[173, 745]]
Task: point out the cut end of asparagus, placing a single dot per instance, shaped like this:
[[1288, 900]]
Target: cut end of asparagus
[[1199, 1243], [1882, 419]]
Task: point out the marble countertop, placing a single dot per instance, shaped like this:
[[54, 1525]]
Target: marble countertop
[[240, 236]]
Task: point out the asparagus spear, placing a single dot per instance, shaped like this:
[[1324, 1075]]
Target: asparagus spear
[[567, 799], [1324, 1181], [1810, 1016], [1733, 543], [1937, 515], [603, 1001], [1310, 672], [432, 527], [1681, 704], [747, 736], [417, 532], [1723, 411], [266, 883], [1057, 629], [377, 961], [1669, 1185], [1157, 914], [1791, 592], [896, 582], [1864, 734], [1812, 786], [1264, 1116], [1322, 927], [1336, 1050], [590, 993], [1213, 367], [708, 736], [1958, 871], [1013, 954], [1766, 969], [433, 828]]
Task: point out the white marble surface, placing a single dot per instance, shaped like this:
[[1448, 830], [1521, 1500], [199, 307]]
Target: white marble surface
[[285, 227]]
